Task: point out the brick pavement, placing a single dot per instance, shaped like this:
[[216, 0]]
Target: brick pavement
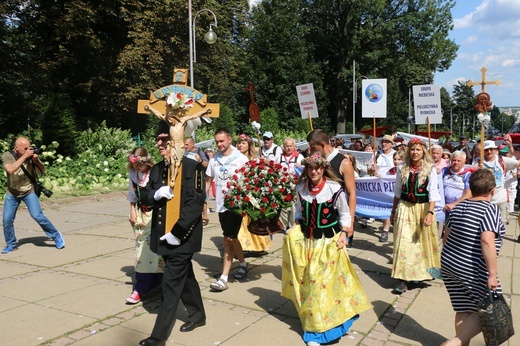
[[75, 296]]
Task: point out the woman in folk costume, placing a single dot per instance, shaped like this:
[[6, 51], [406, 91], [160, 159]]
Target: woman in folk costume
[[252, 245], [317, 275], [413, 214], [148, 266]]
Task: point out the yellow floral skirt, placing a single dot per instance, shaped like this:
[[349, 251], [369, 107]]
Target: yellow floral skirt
[[146, 261], [252, 242], [325, 290], [416, 247]]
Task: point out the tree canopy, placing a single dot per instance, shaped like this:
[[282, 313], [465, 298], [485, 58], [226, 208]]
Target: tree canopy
[[82, 62]]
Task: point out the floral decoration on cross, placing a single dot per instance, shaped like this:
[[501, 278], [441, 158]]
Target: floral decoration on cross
[[179, 101], [260, 189]]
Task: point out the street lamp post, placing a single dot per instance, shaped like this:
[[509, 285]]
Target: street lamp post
[[210, 37], [354, 96]]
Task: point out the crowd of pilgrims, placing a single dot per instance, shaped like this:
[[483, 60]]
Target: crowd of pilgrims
[[317, 275]]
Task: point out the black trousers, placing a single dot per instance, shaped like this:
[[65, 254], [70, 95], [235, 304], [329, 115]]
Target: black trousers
[[179, 284]]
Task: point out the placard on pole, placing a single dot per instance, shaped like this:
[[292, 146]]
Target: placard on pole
[[307, 101]]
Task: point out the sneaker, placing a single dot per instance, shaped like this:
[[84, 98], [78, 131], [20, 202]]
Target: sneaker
[[371, 220], [134, 298], [242, 272], [220, 285], [384, 237], [9, 248], [60, 242], [363, 223], [313, 343]]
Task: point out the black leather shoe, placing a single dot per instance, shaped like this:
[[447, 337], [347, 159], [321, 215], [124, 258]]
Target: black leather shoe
[[189, 326], [152, 342]]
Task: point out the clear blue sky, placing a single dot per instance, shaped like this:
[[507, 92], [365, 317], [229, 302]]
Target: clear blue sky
[[488, 34]]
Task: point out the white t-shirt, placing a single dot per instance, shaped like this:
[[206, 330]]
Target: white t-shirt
[[289, 161], [221, 168], [272, 153], [500, 195], [384, 162]]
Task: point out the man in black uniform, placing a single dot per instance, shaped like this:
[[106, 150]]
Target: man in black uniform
[[177, 245]]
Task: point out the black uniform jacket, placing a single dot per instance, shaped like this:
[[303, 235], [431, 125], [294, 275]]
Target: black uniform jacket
[[188, 227]]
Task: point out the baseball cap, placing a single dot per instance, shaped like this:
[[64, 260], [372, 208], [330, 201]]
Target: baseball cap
[[503, 148], [463, 137], [268, 134], [490, 145]]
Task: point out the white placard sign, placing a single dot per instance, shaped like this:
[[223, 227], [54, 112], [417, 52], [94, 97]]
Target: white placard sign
[[427, 103], [307, 101], [373, 98]]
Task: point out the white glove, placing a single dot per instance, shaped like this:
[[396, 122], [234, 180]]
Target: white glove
[[163, 192], [171, 239]]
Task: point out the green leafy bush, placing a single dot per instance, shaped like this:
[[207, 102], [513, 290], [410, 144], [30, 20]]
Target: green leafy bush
[[100, 163]]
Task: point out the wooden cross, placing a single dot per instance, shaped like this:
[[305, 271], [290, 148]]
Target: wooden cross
[[254, 110], [157, 102], [180, 84], [483, 83], [483, 103]]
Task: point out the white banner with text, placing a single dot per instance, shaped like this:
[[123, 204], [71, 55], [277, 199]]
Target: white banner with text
[[375, 197]]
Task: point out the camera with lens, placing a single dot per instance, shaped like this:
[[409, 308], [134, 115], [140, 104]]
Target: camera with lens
[[36, 150], [47, 193], [39, 189]]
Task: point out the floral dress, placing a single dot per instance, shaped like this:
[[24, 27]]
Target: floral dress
[[317, 276], [416, 247]]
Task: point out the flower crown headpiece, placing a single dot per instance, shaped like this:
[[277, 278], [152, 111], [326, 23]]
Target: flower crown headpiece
[[415, 140], [244, 137], [316, 160], [133, 158]]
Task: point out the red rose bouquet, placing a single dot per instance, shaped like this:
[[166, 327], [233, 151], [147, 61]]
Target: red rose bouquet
[[260, 189]]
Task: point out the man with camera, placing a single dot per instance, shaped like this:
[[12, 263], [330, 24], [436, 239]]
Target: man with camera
[[22, 164]]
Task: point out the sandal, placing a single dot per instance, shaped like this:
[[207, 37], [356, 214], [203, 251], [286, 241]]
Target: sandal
[[400, 288], [205, 221], [220, 285], [241, 272]]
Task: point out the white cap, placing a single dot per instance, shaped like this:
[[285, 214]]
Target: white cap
[[490, 145]]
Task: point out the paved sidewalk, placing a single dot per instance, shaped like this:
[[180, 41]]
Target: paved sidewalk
[[77, 295]]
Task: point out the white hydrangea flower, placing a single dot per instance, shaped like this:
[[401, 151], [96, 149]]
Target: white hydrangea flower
[[256, 126], [484, 119]]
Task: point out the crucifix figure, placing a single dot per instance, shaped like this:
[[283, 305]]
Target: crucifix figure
[[483, 99], [176, 119]]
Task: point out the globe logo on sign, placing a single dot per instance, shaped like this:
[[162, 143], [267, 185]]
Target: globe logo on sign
[[374, 92]]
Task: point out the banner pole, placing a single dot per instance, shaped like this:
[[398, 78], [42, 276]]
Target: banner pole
[[482, 143], [374, 138], [429, 135], [310, 120]]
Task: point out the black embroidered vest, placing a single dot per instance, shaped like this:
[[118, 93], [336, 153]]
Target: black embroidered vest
[[320, 219], [413, 192]]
